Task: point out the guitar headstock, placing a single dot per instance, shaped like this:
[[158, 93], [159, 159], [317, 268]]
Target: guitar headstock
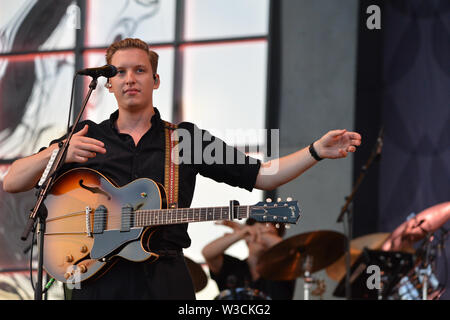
[[279, 212]]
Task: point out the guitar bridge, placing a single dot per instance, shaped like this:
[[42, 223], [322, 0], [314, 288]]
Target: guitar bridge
[[88, 221]]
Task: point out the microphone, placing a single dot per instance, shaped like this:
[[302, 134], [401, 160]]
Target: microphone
[[107, 71]]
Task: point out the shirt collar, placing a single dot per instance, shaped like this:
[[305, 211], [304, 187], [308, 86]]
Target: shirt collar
[[155, 120]]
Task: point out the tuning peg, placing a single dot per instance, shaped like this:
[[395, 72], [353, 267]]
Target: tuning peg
[[289, 199], [277, 226], [278, 199], [287, 226], [268, 200]]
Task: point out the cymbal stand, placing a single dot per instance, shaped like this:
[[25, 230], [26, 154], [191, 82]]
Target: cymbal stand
[[308, 279], [320, 288]]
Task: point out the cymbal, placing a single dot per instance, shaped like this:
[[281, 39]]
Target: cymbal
[[374, 241], [286, 260], [199, 277], [413, 230]]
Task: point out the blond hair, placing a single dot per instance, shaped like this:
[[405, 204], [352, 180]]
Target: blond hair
[[130, 43]]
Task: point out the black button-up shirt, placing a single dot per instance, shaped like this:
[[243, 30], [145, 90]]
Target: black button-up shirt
[[124, 162]]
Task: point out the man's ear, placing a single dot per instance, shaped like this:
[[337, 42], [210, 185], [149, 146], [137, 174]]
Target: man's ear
[[156, 81], [108, 85]]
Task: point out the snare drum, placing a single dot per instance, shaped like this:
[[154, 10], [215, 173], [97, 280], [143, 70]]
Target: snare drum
[[242, 294]]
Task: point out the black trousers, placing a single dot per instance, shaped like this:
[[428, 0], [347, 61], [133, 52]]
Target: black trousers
[[167, 278]]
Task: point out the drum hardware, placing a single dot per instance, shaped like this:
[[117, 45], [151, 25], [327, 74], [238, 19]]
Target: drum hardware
[[309, 280], [301, 256], [320, 289], [392, 266], [374, 241], [245, 293], [240, 293], [285, 260], [413, 286], [421, 282], [425, 273]]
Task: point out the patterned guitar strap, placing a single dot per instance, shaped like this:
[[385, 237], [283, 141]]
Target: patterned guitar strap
[[171, 167]]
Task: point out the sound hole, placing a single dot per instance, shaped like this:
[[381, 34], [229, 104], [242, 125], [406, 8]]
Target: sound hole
[[94, 189]]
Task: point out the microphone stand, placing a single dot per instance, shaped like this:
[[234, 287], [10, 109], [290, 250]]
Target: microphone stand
[[39, 212], [347, 209]]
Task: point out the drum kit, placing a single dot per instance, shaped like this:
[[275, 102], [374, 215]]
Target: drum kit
[[406, 259]]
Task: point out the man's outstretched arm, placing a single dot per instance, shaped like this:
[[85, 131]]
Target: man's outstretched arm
[[333, 145]]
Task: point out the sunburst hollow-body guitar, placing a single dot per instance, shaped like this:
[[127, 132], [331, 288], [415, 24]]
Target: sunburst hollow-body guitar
[[91, 222]]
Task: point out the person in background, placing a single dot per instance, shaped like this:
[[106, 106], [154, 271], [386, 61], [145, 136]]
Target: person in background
[[230, 273]]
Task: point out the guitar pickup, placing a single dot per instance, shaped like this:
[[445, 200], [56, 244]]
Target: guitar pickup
[[100, 219], [127, 218]]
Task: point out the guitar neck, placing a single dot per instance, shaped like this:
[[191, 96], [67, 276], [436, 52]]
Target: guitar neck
[[145, 218]]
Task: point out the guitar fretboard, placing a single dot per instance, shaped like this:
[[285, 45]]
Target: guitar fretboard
[[144, 218]]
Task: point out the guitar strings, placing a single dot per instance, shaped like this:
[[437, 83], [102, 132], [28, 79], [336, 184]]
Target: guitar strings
[[161, 217], [157, 216]]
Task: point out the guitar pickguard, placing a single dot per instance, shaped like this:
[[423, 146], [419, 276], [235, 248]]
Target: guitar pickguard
[[107, 242]]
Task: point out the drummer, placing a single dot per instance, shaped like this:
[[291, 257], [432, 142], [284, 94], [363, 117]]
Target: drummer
[[232, 273]]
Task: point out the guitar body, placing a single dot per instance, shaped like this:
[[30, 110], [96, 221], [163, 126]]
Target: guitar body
[[90, 223]]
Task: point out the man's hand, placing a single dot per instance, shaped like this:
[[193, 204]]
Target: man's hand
[[82, 148], [253, 233], [337, 143]]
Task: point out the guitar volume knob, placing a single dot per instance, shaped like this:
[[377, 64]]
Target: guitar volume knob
[[69, 258], [84, 249], [82, 268]]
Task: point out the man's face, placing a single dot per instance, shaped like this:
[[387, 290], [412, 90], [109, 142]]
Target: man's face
[[134, 84]]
